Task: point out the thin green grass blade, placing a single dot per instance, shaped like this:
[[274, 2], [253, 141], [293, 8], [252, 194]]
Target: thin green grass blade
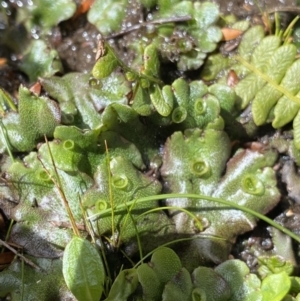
[[288, 32], [111, 198], [57, 183], [6, 102], [208, 198], [22, 287], [194, 217], [133, 221]]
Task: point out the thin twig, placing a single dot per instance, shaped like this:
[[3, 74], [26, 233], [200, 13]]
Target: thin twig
[[144, 24], [284, 9], [29, 262], [281, 9]]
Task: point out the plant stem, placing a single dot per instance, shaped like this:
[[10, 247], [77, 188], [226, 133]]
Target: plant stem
[[111, 198], [194, 217], [57, 183]]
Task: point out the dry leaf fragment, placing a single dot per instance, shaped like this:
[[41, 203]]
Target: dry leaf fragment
[[100, 49], [36, 88], [230, 34], [84, 6], [232, 79], [6, 258], [3, 61]]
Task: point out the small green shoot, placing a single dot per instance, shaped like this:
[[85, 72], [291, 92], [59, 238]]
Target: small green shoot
[[288, 32], [6, 102], [278, 31], [9, 229]]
